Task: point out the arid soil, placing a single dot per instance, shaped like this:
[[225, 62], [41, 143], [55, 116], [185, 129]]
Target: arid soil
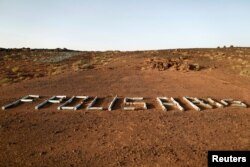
[[152, 137]]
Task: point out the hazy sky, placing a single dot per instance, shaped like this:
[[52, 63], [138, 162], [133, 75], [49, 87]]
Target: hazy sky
[[124, 24]]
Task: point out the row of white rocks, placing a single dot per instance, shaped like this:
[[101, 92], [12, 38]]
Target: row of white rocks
[[130, 102]]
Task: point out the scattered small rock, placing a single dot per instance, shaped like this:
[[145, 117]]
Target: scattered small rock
[[58, 131], [12, 143], [20, 121], [32, 154], [43, 153]]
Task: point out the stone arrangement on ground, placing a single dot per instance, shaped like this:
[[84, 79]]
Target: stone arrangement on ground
[[131, 103]]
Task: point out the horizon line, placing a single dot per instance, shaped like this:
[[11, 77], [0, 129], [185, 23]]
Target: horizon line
[[121, 50]]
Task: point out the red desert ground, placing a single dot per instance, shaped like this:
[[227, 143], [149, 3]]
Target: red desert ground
[[142, 137]]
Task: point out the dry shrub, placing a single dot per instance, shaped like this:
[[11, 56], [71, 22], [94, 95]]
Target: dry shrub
[[5, 81], [81, 65], [245, 72], [15, 69], [57, 70], [237, 67]]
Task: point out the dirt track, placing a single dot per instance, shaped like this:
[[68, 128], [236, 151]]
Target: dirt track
[[48, 137]]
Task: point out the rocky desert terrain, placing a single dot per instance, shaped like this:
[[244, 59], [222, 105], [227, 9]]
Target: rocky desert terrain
[[152, 137]]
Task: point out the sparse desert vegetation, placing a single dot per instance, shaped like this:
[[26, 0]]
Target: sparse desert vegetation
[[24, 64]]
